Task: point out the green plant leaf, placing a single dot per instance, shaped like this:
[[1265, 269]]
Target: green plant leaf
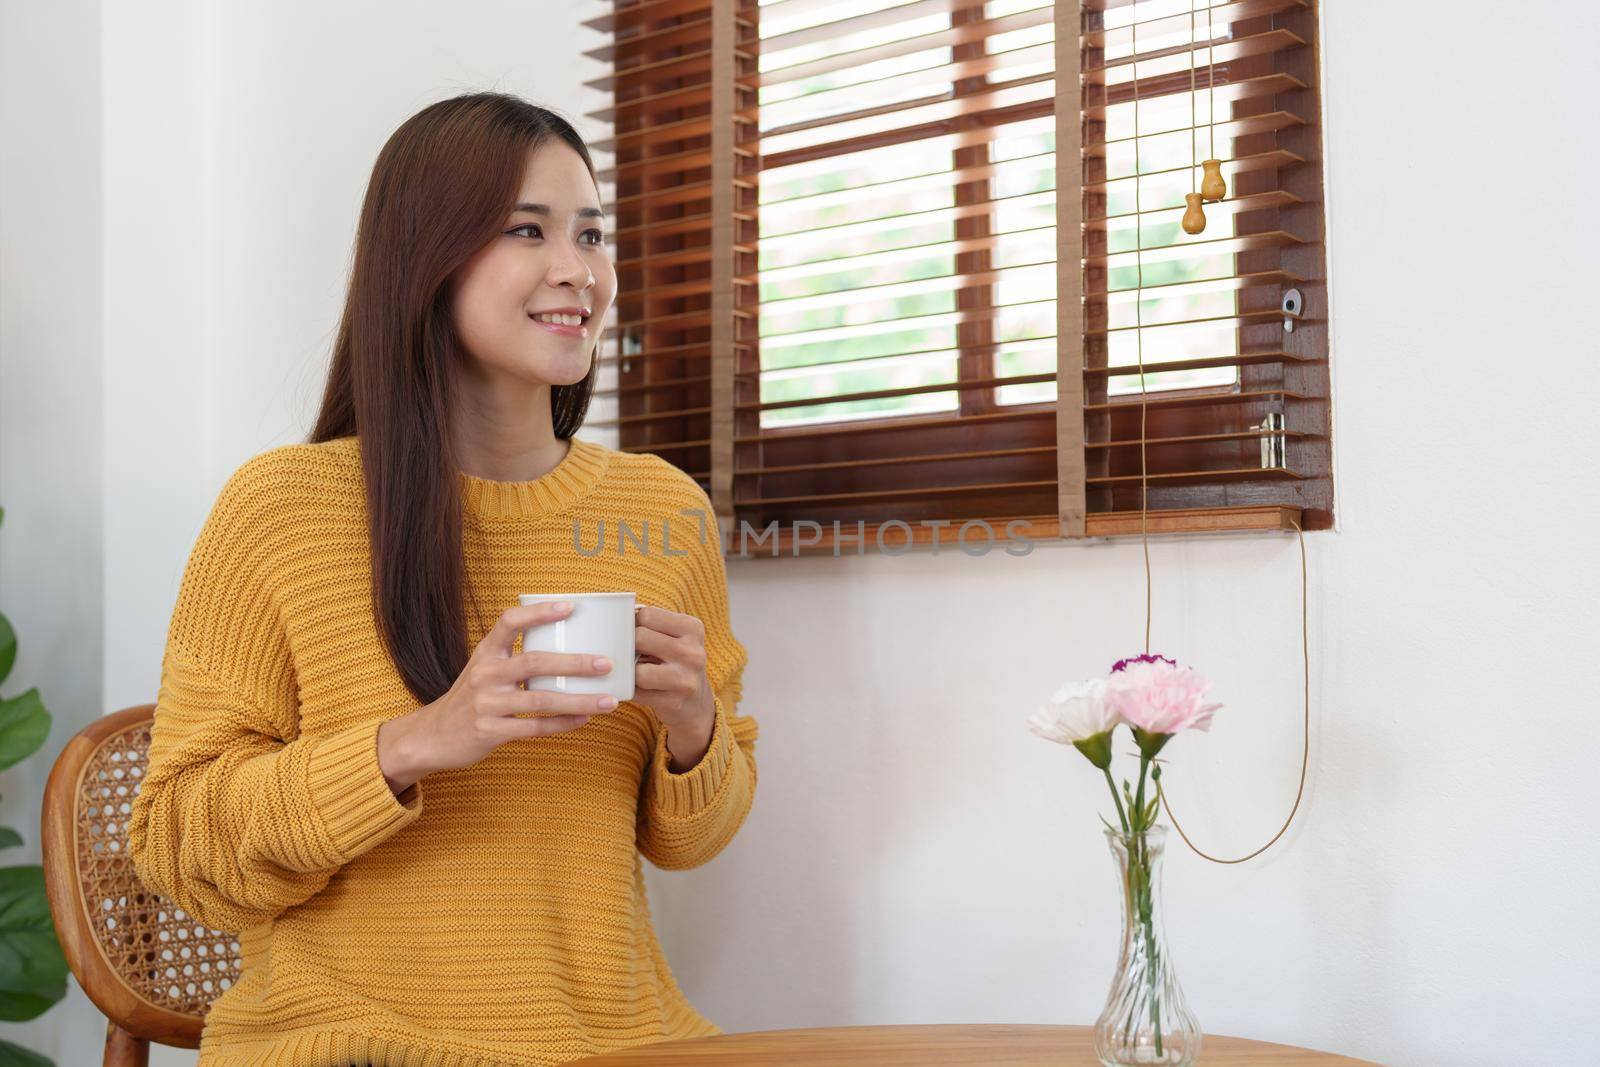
[[24, 725], [20, 1007], [8, 646], [33, 972], [17, 1056], [9, 838]]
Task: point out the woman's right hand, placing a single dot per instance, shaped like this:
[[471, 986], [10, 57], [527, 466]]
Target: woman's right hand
[[479, 713]]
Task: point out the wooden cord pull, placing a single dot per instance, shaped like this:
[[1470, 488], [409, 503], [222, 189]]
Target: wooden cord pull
[[1194, 219], [1212, 186]]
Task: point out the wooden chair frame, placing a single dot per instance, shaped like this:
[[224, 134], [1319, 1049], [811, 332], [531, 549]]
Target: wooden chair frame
[[151, 968]]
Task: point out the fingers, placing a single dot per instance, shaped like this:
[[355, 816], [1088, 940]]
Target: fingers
[[648, 642], [681, 651], [515, 729], [675, 623], [550, 702], [662, 678], [538, 664], [500, 640]]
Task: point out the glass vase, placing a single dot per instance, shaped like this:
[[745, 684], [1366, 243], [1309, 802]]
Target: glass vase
[[1146, 1019]]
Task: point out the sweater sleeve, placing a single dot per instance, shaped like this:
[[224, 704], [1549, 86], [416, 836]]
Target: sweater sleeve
[[238, 816], [686, 819]]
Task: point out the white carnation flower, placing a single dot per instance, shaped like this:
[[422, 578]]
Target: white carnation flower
[[1077, 712]]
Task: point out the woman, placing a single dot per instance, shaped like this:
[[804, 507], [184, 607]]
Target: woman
[[425, 862]]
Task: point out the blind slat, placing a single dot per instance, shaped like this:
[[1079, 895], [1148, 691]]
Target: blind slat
[[1225, 91], [639, 14], [1003, 453], [1240, 127], [1234, 205], [1200, 249], [1198, 363], [688, 351], [971, 105], [964, 130], [1156, 400], [918, 491], [909, 390], [624, 51], [965, 33], [1231, 168], [890, 461], [676, 322], [1235, 359], [1167, 477], [689, 64], [848, 26], [654, 387], [900, 425], [889, 85], [1221, 16], [1223, 51], [853, 191]]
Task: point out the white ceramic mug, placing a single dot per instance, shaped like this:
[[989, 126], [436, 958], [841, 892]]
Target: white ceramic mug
[[600, 624]]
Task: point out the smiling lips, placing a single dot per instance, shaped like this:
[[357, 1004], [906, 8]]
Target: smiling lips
[[562, 323]]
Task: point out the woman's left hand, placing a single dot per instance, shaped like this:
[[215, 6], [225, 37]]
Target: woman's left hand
[[671, 677]]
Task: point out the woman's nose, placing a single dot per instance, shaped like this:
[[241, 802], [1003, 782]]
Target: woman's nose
[[570, 267]]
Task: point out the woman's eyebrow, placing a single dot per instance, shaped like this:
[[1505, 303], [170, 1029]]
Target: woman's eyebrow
[[544, 209]]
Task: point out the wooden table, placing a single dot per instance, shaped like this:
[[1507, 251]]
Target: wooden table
[[915, 1046]]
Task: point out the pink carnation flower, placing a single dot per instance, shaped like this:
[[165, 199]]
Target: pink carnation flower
[[1157, 696]]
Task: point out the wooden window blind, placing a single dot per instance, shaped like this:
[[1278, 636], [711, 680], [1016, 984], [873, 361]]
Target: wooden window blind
[[684, 182], [842, 293]]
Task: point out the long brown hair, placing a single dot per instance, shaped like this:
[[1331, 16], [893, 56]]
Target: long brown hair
[[442, 187]]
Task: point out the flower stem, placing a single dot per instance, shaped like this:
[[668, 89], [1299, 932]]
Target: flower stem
[[1138, 803], [1121, 816], [1147, 922], [1155, 993]]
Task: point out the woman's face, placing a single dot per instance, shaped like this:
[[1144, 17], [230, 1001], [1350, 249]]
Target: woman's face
[[550, 254]]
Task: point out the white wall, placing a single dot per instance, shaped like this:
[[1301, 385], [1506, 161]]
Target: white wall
[[915, 855], [51, 582]]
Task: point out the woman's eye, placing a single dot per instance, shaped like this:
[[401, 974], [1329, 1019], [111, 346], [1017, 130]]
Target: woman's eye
[[597, 237]]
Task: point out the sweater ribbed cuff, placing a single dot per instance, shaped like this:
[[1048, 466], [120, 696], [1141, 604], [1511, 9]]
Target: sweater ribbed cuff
[[680, 796], [348, 790]]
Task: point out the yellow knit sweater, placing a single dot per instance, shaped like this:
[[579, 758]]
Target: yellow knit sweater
[[491, 915]]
